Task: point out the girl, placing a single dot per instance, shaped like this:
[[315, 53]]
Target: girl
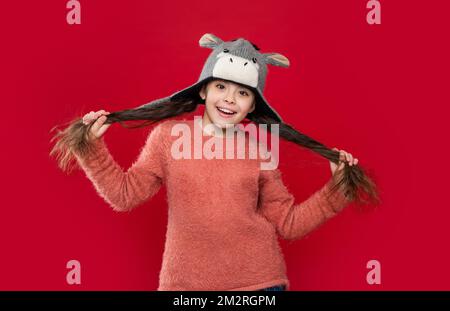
[[224, 214]]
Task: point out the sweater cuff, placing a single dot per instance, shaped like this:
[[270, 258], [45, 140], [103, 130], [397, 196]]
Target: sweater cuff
[[98, 149]]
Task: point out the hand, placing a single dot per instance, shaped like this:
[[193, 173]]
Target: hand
[[99, 118], [343, 157]]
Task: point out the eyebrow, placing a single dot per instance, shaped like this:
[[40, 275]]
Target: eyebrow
[[225, 81]]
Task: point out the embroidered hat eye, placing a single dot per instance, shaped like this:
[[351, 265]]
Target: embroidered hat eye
[[226, 50], [254, 59]]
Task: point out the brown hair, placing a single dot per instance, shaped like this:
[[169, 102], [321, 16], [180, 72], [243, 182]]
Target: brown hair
[[75, 139]]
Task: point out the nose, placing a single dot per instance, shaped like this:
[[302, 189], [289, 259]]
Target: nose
[[229, 97]]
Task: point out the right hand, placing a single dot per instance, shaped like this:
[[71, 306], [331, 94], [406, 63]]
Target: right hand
[[343, 158], [99, 118]]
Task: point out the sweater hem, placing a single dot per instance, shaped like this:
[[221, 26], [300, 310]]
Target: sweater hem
[[260, 286]]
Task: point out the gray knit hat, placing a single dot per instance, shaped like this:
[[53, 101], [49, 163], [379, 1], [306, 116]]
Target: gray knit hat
[[237, 61]]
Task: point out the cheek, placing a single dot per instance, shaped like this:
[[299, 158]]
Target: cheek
[[247, 105], [210, 104], [213, 96]]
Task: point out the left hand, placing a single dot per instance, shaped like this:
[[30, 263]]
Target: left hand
[[343, 157]]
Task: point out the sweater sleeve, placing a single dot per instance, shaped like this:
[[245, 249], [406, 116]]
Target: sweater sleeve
[[126, 190], [293, 221]]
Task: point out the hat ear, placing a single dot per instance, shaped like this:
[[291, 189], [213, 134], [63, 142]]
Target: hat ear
[[209, 40], [276, 59]]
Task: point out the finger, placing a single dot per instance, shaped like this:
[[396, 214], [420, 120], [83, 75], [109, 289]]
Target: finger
[[102, 112], [342, 155], [97, 124], [356, 161], [89, 114], [96, 115], [103, 129], [350, 159], [347, 157], [101, 120], [87, 119]]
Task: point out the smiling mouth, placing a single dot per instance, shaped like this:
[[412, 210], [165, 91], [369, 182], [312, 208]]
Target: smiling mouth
[[226, 111]]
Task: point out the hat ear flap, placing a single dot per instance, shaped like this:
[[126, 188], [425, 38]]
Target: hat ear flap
[[209, 40], [276, 59]]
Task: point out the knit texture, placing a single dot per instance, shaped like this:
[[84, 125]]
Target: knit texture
[[224, 215]]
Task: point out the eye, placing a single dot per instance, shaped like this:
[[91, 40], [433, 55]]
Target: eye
[[226, 50], [220, 86], [244, 93], [254, 60]]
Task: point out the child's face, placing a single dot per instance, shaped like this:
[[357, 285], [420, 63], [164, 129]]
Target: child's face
[[234, 100]]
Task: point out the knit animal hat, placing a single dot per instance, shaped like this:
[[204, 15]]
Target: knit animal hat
[[237, 61]]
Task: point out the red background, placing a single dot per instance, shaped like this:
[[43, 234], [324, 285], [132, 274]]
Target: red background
[[377, 91]]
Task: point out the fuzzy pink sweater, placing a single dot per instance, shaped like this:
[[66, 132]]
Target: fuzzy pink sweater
[[224, 214]]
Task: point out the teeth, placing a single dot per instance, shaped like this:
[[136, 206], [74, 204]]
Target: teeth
[[226, 110]]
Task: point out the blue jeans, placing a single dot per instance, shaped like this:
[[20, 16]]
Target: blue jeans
[[274, 288]]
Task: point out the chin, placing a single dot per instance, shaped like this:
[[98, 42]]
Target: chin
[[223, 124], [227, 123]]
